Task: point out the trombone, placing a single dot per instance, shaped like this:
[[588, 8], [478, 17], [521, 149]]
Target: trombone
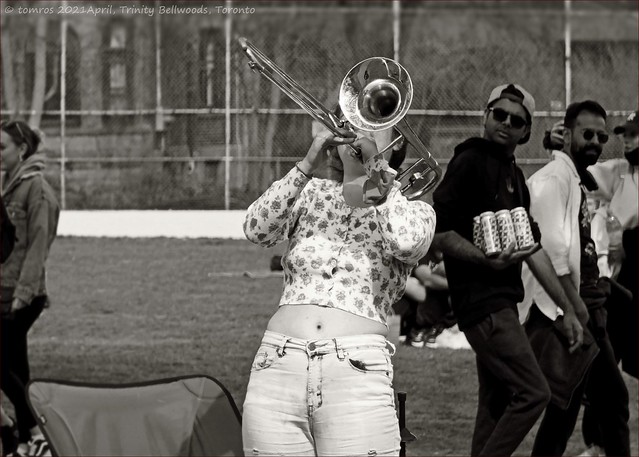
[[374, 95]]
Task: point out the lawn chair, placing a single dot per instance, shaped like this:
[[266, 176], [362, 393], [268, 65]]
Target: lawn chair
[[183, 416]]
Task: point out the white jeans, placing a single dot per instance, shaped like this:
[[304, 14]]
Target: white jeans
[[322, 397]]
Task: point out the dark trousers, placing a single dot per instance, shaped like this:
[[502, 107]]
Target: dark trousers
[[628, 278], [513, 391], [607, 395], [622, 326], [434, 311], [15, 363]]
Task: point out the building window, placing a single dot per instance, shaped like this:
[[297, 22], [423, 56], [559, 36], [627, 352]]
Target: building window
[[117, 49], [118, 36], [117, 77]]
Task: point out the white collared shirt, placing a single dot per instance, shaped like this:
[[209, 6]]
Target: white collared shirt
[[555, 202]]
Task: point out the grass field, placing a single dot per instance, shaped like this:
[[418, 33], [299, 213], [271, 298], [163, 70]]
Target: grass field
[[128, 310]]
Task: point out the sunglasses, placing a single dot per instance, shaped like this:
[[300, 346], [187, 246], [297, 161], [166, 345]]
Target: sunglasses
[[500, 115], [588, 135]]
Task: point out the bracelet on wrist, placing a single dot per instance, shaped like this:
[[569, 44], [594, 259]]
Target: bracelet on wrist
[[308, 176]]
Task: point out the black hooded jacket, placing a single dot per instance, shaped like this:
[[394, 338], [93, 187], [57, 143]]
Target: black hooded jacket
[[480, 177]]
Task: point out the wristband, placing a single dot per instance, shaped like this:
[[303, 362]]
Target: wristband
[[297, 165]]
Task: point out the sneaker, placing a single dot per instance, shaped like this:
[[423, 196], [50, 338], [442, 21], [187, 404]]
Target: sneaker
[[593, 451], [9, 439], [417, 338], [39, 446], [22, 450], [431, 337]]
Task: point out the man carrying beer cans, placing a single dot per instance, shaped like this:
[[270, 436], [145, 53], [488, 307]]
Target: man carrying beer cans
[[558, 204], [481, 185]]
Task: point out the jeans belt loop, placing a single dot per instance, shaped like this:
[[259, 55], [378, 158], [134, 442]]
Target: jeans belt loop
[[281, 346], [391, 348], [340, 351]]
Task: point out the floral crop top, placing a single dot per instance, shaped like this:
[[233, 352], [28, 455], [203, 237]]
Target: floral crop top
[[354, 259]]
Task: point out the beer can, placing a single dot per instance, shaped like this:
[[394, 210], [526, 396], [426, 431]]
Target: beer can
[[506, 228], [478, 238], [523, 232], [492, 244]]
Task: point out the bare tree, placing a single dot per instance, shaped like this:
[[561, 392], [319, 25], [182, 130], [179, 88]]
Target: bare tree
[[9, 80], [40, 71]]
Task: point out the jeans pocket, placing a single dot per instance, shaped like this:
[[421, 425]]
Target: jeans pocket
[[489, 325], [371, 360], [265, 357]]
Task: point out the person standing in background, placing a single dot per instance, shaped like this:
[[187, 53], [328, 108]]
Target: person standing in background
[[558, 204], [34, 210], [614, 231]]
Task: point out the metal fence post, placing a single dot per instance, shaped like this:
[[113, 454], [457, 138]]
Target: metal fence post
[[63, 95], [396, 28], [227, 114], [159, 114], [567, 47]]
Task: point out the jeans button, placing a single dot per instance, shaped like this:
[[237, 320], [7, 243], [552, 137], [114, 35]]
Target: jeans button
[[311, 346]]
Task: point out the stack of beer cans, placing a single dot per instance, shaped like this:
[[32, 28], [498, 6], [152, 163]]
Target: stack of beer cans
[[493, 232]]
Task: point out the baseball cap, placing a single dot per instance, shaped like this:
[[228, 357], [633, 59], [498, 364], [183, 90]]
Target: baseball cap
[[515, 93], [630, 125]]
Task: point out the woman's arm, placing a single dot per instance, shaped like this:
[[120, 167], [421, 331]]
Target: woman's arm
[[37, 248], [431, 278], [271, 217], [407, 227], [564, 294], [548, 197]]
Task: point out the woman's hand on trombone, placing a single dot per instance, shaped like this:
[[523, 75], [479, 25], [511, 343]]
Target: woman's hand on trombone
[[323, 141]]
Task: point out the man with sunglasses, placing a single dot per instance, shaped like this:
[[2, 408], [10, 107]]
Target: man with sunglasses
[[614, 231], [558, 204], [483, 176]]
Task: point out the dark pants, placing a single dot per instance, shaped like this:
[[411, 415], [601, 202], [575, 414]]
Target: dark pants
[[622, 326], [628, 278], [513, 391], [607, 395], [434, 311], [15, 363]]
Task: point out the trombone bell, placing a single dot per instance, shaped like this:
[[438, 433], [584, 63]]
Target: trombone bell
[[376, 94]]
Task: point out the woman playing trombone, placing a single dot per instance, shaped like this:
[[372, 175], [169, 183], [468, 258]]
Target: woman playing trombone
[[321, 381]]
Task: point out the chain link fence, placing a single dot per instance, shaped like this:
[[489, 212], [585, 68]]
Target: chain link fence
[[154, 106]]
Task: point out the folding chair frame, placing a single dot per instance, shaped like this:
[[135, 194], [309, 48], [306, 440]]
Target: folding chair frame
[[42, 421]]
